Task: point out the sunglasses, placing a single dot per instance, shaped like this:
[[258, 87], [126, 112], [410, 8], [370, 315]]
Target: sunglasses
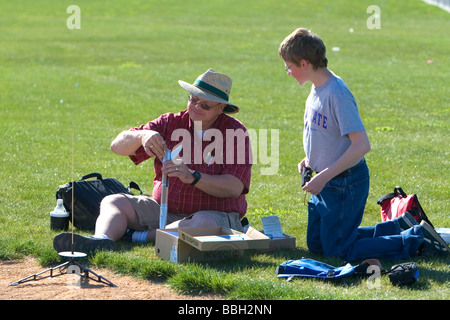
[[202, 105]]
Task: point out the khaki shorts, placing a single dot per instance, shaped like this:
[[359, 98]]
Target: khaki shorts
[[147, 210]]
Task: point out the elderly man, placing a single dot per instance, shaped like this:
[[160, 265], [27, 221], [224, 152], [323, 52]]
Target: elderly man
[[207, 186]]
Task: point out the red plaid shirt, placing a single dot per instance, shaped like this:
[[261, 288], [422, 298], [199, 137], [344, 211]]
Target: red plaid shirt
[[231, 155]]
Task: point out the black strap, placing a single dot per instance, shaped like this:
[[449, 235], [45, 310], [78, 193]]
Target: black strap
[[92, 175], [134, 185], [397, 191]]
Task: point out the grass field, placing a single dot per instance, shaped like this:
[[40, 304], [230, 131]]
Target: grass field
[[120, 69]]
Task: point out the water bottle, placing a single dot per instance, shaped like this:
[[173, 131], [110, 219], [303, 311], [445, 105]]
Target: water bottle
[[59, 217]]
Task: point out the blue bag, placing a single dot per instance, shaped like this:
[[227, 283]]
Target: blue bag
[[309, 268]]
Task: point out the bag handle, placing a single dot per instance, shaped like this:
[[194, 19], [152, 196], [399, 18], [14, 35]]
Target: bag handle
[[398, 190], [92, 175], [134, 185]]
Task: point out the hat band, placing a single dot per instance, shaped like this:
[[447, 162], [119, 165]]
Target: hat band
[[211, 89]]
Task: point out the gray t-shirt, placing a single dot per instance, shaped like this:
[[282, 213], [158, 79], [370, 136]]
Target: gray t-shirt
[[331, 114]]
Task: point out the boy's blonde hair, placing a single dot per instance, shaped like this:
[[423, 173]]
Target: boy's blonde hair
[[303, 44]]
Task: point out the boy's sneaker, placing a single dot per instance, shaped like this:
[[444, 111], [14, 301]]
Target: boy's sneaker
[[433, 243], [63, 242], [406, 221]]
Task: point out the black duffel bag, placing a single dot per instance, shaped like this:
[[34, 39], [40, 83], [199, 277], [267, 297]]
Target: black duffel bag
[[87, 197]]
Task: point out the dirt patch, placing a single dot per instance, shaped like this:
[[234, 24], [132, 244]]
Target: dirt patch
[[64, 287]]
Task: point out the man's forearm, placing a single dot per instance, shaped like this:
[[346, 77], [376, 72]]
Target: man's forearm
[[127, 142], [221, 186]]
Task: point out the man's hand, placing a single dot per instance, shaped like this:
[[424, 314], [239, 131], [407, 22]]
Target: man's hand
[[127, 142], [178, 169], [153, 143]]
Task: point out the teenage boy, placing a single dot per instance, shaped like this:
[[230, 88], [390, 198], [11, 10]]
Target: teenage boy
[[335, 142]]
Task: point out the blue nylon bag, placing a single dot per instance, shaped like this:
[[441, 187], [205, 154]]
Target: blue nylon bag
[[309, 268]]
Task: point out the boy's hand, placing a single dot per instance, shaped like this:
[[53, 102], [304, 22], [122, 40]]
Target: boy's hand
[[315, 185], [303, 164]]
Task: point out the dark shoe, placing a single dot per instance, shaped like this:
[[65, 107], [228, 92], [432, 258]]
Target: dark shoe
[[433, 243], [406, 221], [63, 242], [128, 236]]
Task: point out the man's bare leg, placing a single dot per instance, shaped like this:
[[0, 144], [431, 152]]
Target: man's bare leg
[[116, 216]]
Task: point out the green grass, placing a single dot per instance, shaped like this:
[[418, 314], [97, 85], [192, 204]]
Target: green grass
[[126, 60]]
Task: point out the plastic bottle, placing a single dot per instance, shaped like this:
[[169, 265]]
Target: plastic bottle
[[174, 255], [59, 217]]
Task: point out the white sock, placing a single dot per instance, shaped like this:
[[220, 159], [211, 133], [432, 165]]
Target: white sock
[[139, 236], [101, 236]]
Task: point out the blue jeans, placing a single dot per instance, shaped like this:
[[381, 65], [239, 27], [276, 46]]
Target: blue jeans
[[335, 214], [386, 240], [334, 217]]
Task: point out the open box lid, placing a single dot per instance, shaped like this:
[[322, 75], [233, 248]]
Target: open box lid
[[222, 238]]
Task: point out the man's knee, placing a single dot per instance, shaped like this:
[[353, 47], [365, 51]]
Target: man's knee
[[118, 204], [116, 200]]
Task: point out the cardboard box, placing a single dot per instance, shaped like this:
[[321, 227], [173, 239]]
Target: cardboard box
[[287, 242], [206, 244]]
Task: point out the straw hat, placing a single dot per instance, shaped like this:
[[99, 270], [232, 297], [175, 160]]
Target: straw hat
[[212, 86]]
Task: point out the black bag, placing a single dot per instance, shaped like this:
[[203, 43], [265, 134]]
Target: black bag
[[87, 197], [404, 273]]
